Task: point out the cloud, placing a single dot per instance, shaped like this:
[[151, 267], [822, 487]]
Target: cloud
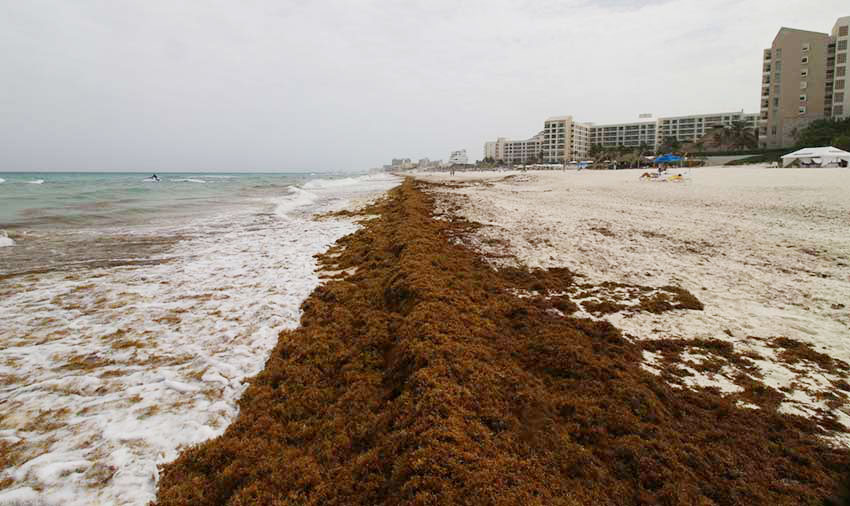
[[348, 84]]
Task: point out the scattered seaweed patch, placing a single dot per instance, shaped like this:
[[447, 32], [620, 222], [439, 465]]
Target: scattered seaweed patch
[[423, 379], [603, 230], [794, 351]]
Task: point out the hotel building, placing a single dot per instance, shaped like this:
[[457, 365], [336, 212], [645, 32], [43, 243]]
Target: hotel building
[[515, 151], [625, 134], [692, 128], [563, 139], [804, 78]]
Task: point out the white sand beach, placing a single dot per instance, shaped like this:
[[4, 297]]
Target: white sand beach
[[767, 251]]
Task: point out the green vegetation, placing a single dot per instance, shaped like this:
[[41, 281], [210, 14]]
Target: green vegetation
[[822, 132], [826, 132], [623, 155], [669, 145], [738, 137]]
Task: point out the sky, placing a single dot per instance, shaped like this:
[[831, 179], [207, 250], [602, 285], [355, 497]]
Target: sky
[[347, 85]]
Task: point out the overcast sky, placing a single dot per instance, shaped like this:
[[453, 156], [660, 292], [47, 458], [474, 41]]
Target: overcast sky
[[347, 85]]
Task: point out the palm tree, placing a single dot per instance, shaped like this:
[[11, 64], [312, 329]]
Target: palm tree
[[642, 150], [719, 136], [595, 150], [741, 136], [670, 144]]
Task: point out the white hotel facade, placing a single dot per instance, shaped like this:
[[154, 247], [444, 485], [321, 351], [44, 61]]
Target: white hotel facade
[[564, 139]]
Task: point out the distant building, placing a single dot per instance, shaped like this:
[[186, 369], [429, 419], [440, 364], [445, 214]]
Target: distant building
[[491, 149], [624, 134], [804, 78], [458, 157], [564, 139], [399, 164], [692, 128], [515, 151]]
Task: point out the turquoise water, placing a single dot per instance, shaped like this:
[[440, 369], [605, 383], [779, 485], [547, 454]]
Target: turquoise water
[[112, 199], [54, 220]]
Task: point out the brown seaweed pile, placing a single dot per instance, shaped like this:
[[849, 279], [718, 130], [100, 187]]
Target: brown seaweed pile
[[422, 378]]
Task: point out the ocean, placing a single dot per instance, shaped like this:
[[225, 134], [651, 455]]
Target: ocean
[[61, 220], [133, 313]]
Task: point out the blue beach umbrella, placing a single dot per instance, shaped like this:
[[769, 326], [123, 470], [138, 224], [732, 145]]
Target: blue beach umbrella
[[668, 158]]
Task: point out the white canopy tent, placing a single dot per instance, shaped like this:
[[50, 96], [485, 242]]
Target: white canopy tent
[[822, 157]]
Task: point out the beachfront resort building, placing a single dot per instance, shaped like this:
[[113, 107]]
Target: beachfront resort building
[[515, 151], [804, 78], [563, 139], [624, 134], [682, 128], [694, 127]]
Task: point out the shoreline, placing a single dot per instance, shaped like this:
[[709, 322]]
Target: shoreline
[[107, 369], [420, 374]]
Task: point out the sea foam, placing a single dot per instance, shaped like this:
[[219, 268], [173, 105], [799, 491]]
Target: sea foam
[[187, 180], [5, 240], [297, 198], [129, 364], [331, 183]]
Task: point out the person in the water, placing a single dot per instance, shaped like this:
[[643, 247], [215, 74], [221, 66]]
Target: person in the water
[[155, 177]]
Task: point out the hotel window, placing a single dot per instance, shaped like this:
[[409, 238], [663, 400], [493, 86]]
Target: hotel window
[[841, 58], [779, 53], [804, 85], [839, 97], [842, 31], [804, 73], [802, 98], [839, 84], [804, 60], [773, 130], [840, 71], [806, 47], [841, 45], [802, 109], [838, 111]]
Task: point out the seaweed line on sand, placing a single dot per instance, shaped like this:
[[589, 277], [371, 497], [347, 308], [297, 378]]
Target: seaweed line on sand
[[422, 378]]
